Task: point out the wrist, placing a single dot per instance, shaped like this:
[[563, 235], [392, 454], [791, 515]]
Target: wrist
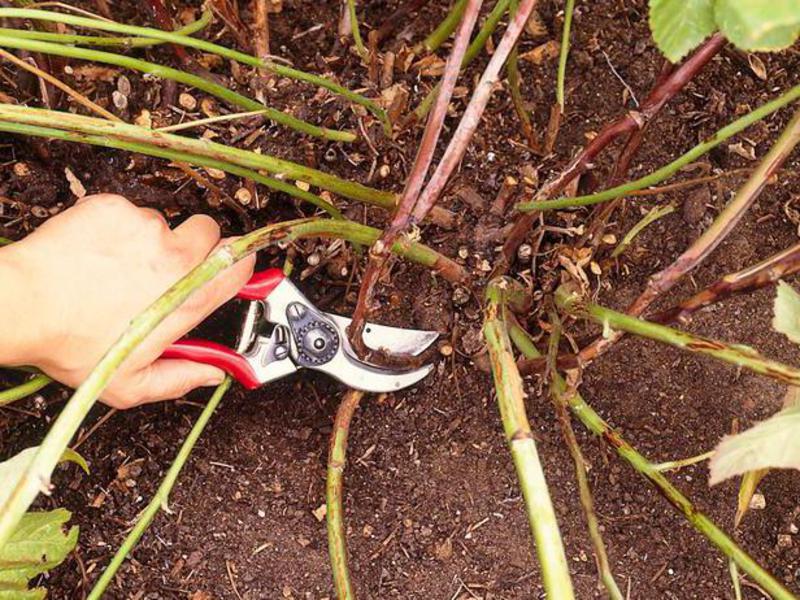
[[21, 335]]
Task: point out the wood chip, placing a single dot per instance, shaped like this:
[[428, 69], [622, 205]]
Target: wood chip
[[119, 99], [187, 101], [208, 107], [75, 185], [143, 119], [757, 66], [215, 173], [244, 196], [542, 53], [95, 73], [124, 85], [320, 512]]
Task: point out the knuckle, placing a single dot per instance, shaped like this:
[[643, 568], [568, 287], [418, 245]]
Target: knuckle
[[210, 226], [110, 201], [153, 221]]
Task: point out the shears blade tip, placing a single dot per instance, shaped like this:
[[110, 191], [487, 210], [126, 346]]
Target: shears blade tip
[[395, 340]]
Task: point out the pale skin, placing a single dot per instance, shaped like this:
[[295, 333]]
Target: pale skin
[[71, 288]]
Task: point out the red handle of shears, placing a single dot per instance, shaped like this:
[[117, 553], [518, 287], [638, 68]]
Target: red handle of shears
[[259, 287]]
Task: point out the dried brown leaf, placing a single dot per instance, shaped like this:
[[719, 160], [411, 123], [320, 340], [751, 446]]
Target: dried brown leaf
[[540, 54]]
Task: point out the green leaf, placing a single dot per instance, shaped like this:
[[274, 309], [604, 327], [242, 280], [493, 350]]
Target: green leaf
[[759, 24], [774, 443], [787, 312], [679, 26], [11, 470], [38, 544]]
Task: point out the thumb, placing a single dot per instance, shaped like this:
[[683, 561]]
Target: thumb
[[165, 379]]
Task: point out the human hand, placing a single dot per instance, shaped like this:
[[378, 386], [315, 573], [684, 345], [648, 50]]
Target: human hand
[[71, 288]]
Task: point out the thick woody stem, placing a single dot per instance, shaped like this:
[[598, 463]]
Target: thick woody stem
[[697, 519], [755, 277], [379, 253], [724, 223], [472, 115], [765, 273], [334, 492], [662, 93], [510, 400], [735, 354]]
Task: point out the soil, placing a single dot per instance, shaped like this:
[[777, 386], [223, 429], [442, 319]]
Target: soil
[[432, 504]]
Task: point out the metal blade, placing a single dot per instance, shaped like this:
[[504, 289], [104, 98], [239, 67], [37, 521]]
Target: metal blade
[[395, 340], [368, 378]]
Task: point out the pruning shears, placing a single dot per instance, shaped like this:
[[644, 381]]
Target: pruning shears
[[284, 332]]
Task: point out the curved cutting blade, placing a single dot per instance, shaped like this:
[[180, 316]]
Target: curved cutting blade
[[394, 340], [368, 378]]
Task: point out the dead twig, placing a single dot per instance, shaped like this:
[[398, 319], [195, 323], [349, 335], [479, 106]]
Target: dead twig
[[398, 17], [55, 82], [261, 32]]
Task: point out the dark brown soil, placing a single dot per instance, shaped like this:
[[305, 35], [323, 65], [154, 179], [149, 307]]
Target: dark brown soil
[[433, 507]]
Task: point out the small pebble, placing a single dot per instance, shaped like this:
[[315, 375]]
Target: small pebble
[[446, 350], [313, 259], [21, 169], [384, 171], [784, 540], [758, 502], [302, 185], [524, 252], [463, 252]]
